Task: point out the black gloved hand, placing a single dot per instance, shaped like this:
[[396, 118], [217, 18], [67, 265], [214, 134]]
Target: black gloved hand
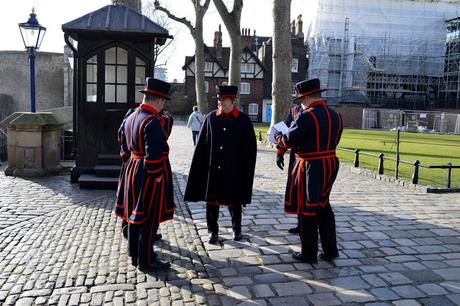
[[280, 161]]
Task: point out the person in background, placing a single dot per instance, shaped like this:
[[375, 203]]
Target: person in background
[[195, 120]]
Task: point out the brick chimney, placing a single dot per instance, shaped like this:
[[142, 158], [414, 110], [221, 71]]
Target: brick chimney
[[134, 4], [299, 27], [218, 42], [246, 37]]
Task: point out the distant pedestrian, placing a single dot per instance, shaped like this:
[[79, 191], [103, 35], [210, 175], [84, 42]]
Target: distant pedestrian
[[195, 121]]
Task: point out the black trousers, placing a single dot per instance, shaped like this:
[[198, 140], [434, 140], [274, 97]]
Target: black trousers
[[324, 221], [140, 241], [195, 136], [212, 216]]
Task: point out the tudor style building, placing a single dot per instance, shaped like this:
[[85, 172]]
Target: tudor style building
[[216, 70], [256, 70]]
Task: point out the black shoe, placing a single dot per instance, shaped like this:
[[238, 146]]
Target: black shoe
[[157, 265], [237, 236], [328, 257], [157, 237], [213, 238], [299, 256], [294, 230]]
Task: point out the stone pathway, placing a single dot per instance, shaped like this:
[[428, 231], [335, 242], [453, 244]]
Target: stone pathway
[[62, 245]]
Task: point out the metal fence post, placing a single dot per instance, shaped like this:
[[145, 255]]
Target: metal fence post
[[356, 158], [449, 175], [381, 159], [415, 174], [260, 135]]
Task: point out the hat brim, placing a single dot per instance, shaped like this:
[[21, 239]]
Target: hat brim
[[145, 92], [309, 94]]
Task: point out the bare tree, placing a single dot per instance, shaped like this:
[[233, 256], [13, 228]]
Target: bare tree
[[282, 60], [232, 21], [197, 33], [160, 57]]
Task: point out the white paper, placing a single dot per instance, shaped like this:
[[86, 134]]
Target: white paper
[[279, 127]]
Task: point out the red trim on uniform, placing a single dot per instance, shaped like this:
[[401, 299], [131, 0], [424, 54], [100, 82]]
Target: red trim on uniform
[[153, 161], [315, 103], [141, 129], [120, 216], [135, 212], [132, 127], [303, 94], [135, 222], [310, 154], [318, 147], [235, 112], [155, 92], [329, 126], [154, 171], [281, 151], [294, 112]]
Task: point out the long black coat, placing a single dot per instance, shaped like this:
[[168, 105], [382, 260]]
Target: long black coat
[[223, 164]]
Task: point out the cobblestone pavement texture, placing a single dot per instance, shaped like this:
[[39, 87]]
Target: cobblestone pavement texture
[[62, 245]]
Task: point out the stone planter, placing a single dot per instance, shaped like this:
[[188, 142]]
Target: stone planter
[[33, 144]]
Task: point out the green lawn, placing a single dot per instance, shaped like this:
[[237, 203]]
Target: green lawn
[[429, 149]]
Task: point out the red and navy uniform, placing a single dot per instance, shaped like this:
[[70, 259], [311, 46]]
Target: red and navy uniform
[[314, 135], [141, 201]]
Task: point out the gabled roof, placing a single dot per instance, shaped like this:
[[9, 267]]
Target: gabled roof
[[223, 62], [115, 19]]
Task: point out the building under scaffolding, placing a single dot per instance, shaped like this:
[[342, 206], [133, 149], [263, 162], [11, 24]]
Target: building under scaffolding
[[449, 89], [387, 53]]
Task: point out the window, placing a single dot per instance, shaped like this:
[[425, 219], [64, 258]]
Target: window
[[253, 109], [245, 88], [206, 86], [295, 65], [208, 67], [116, 75], [91, 80], [139, 79], [294, 90], [247, 68]]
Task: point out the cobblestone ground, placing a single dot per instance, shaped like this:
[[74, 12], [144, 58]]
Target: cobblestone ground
[[61, 245]]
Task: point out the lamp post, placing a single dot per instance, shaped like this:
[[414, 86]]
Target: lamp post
[[32, 34]]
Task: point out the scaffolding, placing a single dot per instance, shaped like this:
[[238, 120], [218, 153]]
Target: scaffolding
[[449, 89], [386, 53], [411, 121]]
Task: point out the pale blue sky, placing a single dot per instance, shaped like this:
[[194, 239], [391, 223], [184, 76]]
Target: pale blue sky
[[52, 14]]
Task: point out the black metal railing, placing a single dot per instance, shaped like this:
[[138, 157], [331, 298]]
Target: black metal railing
[[416, 164]]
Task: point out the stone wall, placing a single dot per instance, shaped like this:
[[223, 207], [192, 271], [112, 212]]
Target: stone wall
[[15, 81]]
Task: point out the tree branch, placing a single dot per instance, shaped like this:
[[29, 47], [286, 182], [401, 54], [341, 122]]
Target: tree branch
[[231, 19], [182, 20]]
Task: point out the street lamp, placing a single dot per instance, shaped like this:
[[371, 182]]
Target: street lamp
[[32, 35]]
